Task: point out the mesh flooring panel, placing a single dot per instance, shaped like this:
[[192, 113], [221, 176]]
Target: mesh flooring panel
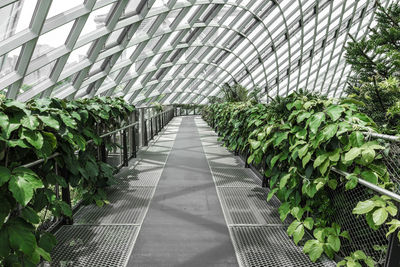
[[93, 245], [244, 205], [266, 246], [150, 157], [126, 207], [238, 177], [223, 161], [140, 175]]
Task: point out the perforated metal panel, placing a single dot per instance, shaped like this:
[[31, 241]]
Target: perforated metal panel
[[139, 175], [220, 162], [235, 177], [270, 246], [93, 245], [126, 207], [244, 205]]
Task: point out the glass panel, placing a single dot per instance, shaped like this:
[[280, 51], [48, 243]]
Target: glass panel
[[60, 6], [37, 76], [8, 62], [16, 17], [96, 19], [51, 40]]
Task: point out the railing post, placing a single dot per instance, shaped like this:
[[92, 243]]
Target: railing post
[[142, 126], [146, 142], [125, 148], [66, 197], [151, 129], [133, 141]]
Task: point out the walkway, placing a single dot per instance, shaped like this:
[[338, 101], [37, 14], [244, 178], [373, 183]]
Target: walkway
[[186, 201]]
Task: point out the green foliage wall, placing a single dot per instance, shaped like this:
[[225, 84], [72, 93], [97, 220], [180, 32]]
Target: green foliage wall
[[300, 139], [36, 130]]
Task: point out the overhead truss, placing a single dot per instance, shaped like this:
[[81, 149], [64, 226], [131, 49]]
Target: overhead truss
[[176, 51]]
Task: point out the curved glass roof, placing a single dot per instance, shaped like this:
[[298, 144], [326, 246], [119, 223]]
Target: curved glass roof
[[176, 51]]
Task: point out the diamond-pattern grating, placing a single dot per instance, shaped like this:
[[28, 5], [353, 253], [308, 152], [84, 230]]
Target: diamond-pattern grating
[[125, 207], [139, 175], [84, 245], [270, 246], [245, 205], [235, 177]]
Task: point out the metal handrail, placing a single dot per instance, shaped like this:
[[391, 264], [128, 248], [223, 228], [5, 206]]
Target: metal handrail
[[370, 185]]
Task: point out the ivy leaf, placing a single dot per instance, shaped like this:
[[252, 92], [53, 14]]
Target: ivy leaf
[[68, 121], [21, 236], [30, 121], [370, 177], [3, 121], [334, 242], [309, 223], [394, 225], [302, 151], [303, 116], [30, 215], [315, 121], [22, 184], [379, 216], [292, 227], [284, 180], [335, 112], [352, 154], [279, 137], [274, 160], [329, 131], [335, 155], [324, 166], [47, 242], [34, 138], [298, 233], [306, 159], [314, 249], [352, 182], [5, 175], [356, 139], [332, 184], [254, 144], [368, 155], [320, 159], [50, 122]]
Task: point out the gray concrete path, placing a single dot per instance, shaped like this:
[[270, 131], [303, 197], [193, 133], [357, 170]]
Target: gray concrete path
[[185, 225]]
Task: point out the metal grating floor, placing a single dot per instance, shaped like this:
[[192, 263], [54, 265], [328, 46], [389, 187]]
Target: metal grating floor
[[235, 177], [98, 246], [126, 207], [245, 205], [270, 246], [224, 161], [139, 175]]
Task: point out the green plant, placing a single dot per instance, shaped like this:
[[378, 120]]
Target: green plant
[[299, 140], [375, 60], [36, 130]]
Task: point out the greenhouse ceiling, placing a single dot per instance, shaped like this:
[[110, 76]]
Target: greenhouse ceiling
[[176, 51]]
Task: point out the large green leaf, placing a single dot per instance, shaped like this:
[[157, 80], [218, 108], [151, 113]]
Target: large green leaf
[[5, 175], [379, 216], [315, 121], [314, 249], [50, 122], [352, 154], [21, 236], [368, 155], [34, 138], [3, 121], [30, 121], [370, 176], [22, 184], [364, 207], [335, 112], [329, 131], [334, 242]]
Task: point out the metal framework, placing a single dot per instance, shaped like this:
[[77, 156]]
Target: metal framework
[[176, 51]]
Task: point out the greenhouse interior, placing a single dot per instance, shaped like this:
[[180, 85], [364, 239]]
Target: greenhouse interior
[[186, 133]]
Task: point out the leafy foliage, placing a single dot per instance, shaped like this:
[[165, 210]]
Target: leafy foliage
[[36, 130], [299, 139], [375, 61]]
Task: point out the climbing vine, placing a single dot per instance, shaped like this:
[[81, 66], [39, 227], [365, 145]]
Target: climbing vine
[[299, 140], [36, 130]]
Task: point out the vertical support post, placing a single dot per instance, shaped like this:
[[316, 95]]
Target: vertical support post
[[142, 125], [132, 135], [66, 197], [146, 142], [125, 148], [151, 129]]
